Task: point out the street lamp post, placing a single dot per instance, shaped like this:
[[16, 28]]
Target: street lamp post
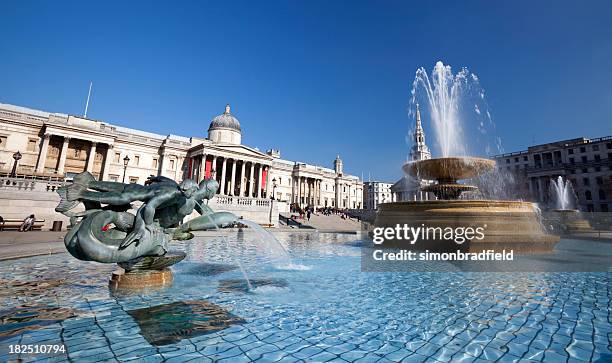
[[16, 157], [273, 189], [126, 161]]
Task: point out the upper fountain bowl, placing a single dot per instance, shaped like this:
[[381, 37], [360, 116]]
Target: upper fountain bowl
[[450, 168]]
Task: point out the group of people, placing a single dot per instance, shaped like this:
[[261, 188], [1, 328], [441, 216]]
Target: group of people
[[307, 211], [302, 212], [26, 225]]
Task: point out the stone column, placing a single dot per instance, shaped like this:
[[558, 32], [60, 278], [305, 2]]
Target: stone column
[[202, 170], [243, 178], [213, 167], [259, 184], [348, 199], [42, 155], [233, 183], [299, 190], [178, 172], [107, 161], [251, 180], [92, 157], [62, 156], [540, 190], [310, 191], [223, 171]]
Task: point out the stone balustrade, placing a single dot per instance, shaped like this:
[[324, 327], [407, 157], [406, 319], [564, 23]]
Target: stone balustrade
[[224, 200], [30, 184]]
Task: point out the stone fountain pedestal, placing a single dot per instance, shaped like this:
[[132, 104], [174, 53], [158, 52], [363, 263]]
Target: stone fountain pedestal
[[145, 272], [506, 224]]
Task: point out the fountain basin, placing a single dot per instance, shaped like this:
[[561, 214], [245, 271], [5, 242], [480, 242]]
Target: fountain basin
[[507, 224], [449, 168], [572, 221]]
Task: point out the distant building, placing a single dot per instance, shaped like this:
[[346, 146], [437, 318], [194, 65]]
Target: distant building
[[410, 188], [587, 163], [375, 192], [57, 146]]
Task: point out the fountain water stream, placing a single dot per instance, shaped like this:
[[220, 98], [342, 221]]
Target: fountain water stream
[[563, 194]]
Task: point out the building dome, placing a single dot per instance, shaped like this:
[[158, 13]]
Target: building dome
[[225, 121], [225, 128]]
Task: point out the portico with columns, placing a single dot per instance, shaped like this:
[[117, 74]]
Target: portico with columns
[[239, 170]]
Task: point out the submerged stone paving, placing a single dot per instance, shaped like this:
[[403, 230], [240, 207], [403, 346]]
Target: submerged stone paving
[[329, 312]]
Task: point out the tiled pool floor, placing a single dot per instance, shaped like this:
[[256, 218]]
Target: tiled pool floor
[[329, 311]]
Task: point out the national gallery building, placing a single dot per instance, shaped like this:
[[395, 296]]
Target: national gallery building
[[53, 147]]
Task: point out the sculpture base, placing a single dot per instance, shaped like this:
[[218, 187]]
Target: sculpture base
[[506, 224], [572, 221], [139, 280]]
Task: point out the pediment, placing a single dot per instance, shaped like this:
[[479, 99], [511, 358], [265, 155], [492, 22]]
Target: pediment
[[238, 151]]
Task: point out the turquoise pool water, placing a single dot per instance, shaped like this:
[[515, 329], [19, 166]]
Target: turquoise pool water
[[320, 308]]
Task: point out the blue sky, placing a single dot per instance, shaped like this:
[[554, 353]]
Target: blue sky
[[311, 78]]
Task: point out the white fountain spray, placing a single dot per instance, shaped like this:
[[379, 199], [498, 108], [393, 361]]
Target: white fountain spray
[[563, 194], [446, 95]]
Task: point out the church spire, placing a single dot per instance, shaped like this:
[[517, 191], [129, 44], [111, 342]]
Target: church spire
[[419, 150]]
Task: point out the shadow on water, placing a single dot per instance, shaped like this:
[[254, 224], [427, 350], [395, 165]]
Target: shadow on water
[[171, 323], [236, 285], [17, 320], [209, 269]]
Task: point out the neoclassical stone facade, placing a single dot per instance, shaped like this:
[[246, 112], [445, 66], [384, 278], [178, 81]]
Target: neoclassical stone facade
[[57, 146]]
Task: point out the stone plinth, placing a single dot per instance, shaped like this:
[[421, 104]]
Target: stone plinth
[[138, 280]]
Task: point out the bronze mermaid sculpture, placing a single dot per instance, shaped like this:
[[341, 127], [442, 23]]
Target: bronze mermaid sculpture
[[106, 232]]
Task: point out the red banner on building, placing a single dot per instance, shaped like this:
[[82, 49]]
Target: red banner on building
[[208, 169]]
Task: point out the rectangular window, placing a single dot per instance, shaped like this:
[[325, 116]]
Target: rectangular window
[[154, 164], [113, 177], [136, 160], [32, 144], [585, 181], [582, 149], [117, 158], [525, 158], [133, 180], [571, 160], [584, 159], [2, 142], [570, 151], [599, 180], [597, 157], [171, 164]]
